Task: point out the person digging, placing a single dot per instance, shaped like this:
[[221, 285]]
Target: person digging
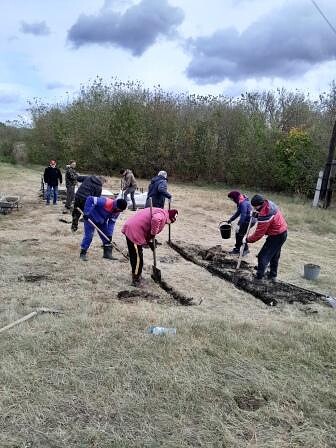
[[70, 183], [140, 230], [244, 210], [270, 222], [103, 212]]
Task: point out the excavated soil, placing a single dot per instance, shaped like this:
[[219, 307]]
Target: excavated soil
[[221, 264]]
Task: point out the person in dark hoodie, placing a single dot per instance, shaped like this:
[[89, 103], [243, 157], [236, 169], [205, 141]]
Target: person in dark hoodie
[[52, 175], [91, 186], [158, 190], [244, 210]]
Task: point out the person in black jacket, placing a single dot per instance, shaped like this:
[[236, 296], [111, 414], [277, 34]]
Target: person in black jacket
[[158, 190], [91, 186], [52, 175]]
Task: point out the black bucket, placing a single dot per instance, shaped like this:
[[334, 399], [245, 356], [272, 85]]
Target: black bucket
[[225, 230]]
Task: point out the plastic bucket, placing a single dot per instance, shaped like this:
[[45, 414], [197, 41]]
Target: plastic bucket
[[311, 271], [225, 230]]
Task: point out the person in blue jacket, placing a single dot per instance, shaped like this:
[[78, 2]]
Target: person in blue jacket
[[158, 190], [244, 210], [103, 212]]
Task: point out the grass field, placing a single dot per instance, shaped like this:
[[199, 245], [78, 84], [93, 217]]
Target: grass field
[[237, 373]]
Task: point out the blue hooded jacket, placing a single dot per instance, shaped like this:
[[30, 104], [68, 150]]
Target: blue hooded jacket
[[157, 190]]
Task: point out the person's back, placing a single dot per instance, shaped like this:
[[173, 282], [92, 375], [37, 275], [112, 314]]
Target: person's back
[[158, 190], [91, 186]]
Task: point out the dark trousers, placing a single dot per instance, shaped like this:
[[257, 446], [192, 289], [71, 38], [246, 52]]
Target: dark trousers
[[240, 235], [136, 257], [270, 254], [130, 191], [80, 203], [70, 196]]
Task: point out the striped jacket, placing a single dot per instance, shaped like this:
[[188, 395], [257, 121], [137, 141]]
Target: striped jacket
[[270, 222], [102, 210]]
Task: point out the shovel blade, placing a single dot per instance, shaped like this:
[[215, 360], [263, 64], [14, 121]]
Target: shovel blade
[[156, 274]]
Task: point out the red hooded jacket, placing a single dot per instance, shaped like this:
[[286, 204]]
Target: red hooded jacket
[[270, 222]]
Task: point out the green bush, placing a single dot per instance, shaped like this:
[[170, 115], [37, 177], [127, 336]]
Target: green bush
[[273, 140]]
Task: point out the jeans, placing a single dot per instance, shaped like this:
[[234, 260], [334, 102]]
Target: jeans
[[270, 255], [70, 196], [136, 257], [55, 193], [130, 190]]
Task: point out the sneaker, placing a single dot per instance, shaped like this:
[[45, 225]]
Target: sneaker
[[234, 252], [258, 280], [272, 279]]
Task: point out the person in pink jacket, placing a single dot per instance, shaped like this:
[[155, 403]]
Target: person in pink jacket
[[140, 229]]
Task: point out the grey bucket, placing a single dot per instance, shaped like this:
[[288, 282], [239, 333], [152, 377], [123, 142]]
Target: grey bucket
[[311, 271]]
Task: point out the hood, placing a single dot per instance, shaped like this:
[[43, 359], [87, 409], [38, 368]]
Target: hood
[[157, 178], [96, 180]]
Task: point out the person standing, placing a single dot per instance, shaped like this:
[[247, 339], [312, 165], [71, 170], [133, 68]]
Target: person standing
[[103, 212], [158, 190], [91, 186], [128, 186], [270, 222], [70, 183], [139, 230], [244, 210], [52, 176]]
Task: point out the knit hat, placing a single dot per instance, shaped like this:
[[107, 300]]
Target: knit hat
[[234, 195], [121, 204], [257, 200], [163, 174], [172, 214]]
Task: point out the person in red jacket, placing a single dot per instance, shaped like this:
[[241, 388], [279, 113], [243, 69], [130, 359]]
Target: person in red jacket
[[270, 222], [140, 230]]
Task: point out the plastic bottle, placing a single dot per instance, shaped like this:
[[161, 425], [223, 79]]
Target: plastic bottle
[[161, 330]]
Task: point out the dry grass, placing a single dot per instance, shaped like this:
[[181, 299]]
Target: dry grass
[[237, 374]]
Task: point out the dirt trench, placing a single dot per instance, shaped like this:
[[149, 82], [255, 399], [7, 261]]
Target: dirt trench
[[219, 263]]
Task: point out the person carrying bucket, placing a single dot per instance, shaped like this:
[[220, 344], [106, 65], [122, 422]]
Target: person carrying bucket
[[244, 210]]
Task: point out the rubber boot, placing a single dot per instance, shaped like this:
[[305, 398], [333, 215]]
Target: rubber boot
[[108, 252], [83, 255]]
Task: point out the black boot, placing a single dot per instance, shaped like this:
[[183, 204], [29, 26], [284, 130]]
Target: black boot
[[83, 255], [108, 252], [136, 280]]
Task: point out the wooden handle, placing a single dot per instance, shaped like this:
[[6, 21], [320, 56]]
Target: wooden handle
[[154, 244]]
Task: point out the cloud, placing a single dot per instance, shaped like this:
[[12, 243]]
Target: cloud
[[9, 97], [286, 43], [53, 85], [135, 30], [36, 28]]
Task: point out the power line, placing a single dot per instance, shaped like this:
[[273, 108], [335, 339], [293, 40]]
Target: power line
[[324, 16]]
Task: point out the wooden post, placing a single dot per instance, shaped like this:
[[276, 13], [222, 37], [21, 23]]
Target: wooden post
[[318, 189]]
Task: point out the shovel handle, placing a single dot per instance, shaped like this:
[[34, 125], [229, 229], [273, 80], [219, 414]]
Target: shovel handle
[[169, 225], [154, 244], [96, 227]]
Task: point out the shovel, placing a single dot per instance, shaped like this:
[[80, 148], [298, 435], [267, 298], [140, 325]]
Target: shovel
[[156, 274], [104, 236], [169, 228], [243, 244]]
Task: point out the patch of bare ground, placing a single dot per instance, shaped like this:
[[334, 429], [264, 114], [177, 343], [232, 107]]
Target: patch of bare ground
[[237, 373]]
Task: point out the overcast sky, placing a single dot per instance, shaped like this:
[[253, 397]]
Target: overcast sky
[[49, 48]]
